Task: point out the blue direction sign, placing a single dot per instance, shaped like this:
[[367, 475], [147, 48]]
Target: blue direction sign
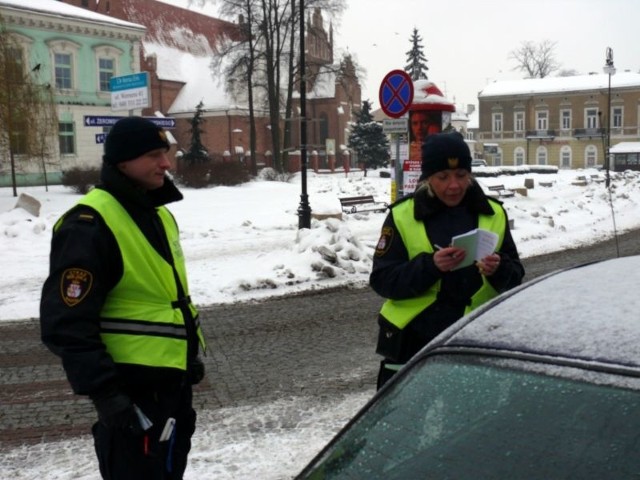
[[396, 93], [100, 137], [163, 122], [109, 121], [100, 121]]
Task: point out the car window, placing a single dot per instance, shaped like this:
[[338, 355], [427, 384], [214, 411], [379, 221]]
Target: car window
[[460, 418]]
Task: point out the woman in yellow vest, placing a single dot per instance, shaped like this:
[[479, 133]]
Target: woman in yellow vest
[[415, 266], [116, 309]]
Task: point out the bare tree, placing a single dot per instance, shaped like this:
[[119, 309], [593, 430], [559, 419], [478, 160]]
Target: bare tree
[[266, 57], [537, 60], [28, 120]]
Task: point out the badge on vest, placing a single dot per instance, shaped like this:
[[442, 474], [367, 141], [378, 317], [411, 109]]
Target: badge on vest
[[384, 242], [75, 284]]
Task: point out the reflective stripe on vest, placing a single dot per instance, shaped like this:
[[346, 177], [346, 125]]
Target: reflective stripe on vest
[[141, 322], [414, 236]]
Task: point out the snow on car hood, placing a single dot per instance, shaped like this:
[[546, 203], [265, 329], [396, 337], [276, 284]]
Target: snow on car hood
[[589, 313]]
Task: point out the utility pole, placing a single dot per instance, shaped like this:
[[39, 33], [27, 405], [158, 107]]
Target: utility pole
[[610, 70], [304, 210]]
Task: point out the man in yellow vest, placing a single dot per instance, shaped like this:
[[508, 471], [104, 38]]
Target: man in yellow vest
[[415, 266], [116, 309]]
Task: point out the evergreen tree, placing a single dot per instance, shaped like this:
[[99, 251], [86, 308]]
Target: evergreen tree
[[368, 140], [197, 153], [416, 61]]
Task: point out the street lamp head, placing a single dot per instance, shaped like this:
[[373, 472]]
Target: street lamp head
[[609, 69]]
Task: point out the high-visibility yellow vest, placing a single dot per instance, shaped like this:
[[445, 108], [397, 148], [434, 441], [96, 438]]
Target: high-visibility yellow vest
[[413, 233], [141, 320]]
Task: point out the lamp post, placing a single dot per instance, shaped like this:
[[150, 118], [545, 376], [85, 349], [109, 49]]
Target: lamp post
[[610, 70], [304, 210]]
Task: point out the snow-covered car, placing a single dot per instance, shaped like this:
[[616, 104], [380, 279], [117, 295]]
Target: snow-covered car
[[478, 162], [542, 382]]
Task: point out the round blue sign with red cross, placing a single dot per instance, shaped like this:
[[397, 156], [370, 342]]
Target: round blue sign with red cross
[[396, 93]]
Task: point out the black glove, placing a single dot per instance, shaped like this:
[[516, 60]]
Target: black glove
[[115, 411], [195, 371]]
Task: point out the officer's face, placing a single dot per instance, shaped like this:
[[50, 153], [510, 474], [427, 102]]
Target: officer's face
[[450, 185], [147, 170]]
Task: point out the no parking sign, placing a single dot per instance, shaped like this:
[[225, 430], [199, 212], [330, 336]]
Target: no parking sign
[[396, 93]]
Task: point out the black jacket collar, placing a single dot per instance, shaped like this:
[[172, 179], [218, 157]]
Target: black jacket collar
[[126, 191], [475, 201]]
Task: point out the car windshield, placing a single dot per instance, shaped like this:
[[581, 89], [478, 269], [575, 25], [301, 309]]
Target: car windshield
[[460, 418]]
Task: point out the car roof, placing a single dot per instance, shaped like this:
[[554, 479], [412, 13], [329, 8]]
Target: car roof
[[588, 315]]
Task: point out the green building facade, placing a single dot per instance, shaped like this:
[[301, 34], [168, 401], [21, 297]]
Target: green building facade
[[74, 53]]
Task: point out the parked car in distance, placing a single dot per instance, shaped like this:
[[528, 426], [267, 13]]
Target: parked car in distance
[[478, 162], [543, 382]]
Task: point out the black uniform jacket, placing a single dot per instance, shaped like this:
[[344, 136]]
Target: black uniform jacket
[[70, 329], [395, 276]]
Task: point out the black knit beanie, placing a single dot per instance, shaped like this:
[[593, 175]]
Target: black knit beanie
[[131, 137], [443, 151]]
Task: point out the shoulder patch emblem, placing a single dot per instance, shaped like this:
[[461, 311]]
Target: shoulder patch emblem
[[75, 284], [385, 241]]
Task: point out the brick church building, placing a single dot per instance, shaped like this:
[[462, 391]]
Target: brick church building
[[177, 51]]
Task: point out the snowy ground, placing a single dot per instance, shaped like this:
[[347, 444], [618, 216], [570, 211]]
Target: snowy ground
[[243, 243]]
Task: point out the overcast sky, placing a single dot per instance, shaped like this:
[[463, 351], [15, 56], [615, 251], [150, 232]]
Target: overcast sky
[[467, 42]]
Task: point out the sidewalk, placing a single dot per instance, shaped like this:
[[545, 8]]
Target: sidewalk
[[257, 353]]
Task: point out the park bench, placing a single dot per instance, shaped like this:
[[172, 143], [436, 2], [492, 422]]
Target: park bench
[[364, 203], [501, 191]]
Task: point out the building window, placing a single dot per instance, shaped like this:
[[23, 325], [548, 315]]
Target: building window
[[14, 65], [541, 155], [591, 118], [18, 138], [67, 138], [63, 68], [17, 50], [63, 58], [518, 121], [107, 58], [616, 117], [542, 120], [565, 157], [518, 156], [106, 70], [590, 156], [497, 122], [497, 158], [565, 119]]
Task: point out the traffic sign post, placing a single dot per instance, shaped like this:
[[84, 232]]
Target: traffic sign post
[[110, 121], [129, 92], [100, 121], [396, 95], [394, 125]]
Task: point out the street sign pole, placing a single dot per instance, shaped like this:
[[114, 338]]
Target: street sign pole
[[396, 127], [399, 169], [396, 95]]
